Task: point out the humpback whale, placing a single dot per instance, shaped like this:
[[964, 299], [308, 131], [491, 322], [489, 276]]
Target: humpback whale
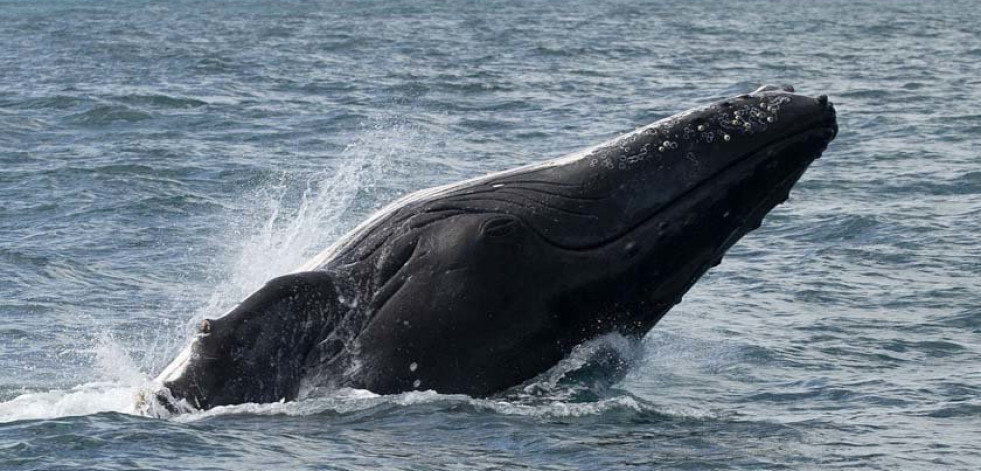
[[481, 285]]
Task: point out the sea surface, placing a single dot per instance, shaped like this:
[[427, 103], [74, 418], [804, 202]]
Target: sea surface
[[161, 160]]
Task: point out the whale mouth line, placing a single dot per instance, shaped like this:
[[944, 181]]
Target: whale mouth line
[[825, 128]]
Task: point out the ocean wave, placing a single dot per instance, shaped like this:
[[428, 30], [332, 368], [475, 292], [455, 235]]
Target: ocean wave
[[109, 114], [160, 101], [363, 405]]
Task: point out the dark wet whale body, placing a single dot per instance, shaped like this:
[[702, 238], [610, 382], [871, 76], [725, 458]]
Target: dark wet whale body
[[479, 286]]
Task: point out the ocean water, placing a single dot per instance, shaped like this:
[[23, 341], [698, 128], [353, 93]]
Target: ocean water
[[161, 160]]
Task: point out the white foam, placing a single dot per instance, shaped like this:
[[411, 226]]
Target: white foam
[[114, 363], [89, 398], [348, 401], [351, 401], [549, 400], [118, 382]]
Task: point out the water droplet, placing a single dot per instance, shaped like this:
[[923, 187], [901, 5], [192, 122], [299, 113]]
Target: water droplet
[[416, 384], [726, 137], [414, 366]]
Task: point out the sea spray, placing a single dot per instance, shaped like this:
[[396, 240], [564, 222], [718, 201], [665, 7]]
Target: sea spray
[[269, 230], [117, 382], [286, 221]]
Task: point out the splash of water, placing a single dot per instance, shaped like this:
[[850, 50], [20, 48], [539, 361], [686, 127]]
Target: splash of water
[[354, 401], [118, 383], [274, 231], [281, 231], [578, 386], [585, 375]]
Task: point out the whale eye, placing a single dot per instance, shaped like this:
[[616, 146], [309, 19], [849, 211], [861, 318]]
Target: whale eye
[[499, 227]]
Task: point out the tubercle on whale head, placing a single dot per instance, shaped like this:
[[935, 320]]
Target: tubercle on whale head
[[605, 239], [737, 125], [760, 131], [635, 175], [667, 214]]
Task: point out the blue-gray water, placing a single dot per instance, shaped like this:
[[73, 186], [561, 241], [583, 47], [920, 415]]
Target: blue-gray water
[[158, 161]]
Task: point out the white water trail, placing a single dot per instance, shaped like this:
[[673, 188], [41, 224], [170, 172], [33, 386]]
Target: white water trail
[[350, 401]]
